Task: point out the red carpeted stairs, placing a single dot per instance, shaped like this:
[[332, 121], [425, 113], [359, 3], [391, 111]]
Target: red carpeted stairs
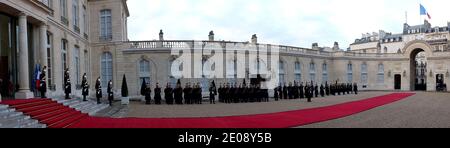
[[47, 111]]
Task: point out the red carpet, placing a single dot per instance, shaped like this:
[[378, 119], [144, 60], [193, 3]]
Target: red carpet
[[273, 120], [48, 112]]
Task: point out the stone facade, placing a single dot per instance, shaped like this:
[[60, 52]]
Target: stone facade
[[88, 47]]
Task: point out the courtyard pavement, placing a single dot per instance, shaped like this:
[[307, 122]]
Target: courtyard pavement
[[425, 109]]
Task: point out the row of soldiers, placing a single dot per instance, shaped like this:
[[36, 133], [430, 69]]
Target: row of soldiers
[[313, 91], [191, 94], [231, 93]]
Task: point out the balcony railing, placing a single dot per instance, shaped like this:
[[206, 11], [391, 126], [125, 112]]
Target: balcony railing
[[190, 44]]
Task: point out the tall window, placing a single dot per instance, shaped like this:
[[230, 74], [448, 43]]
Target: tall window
[[49, 60], [324, 72], [144, 72], [312, 72], [350, 73], [380, 75], [106, 68], [64, 56], [298, 72], [282, 73], [172, 79], [364, 75], [63, 11], [48, 3], [231, 71], [76, 58], [85, 21], [86, 62], [76, 15], [105, 25]]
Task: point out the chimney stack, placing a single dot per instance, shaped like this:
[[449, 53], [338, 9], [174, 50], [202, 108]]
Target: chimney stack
[[254, 39], [211, 36], [161, 35]]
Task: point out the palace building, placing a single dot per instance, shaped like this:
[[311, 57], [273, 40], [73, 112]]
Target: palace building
[[90, 36]]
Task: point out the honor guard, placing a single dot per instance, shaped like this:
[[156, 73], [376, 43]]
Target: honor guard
[[67, 84], [85, 87], [212, 93], [98, 90], [168, 94], [43, 83], [110, 92], [157, 94]]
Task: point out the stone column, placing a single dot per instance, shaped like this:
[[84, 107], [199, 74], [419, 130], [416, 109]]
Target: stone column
[[43, 44], [24, 80]]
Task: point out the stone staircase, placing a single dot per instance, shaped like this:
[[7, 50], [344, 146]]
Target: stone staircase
[[10, 118], [43, 113]]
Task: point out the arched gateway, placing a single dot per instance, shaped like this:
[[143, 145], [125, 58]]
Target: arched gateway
[[418, 76]]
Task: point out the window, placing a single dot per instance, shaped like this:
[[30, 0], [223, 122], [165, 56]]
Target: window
[[144, 72], [231, 71], [298, 72], [106, 68], [76, 58], [49, 60], [312, 72], [86, 61], [85, 21], [47, 3], [350, 73], [105, 25], [380, 75], [324, 73], [282, 74], [76, 15], [63, 11], [64, 56], [364, 75]]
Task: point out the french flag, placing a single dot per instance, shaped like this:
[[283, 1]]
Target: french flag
[[424, 11]]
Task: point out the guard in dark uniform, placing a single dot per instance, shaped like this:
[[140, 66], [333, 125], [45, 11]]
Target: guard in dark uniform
[[290, 91], [187, 94], [67, 84], [295, 89], [168, 94], [285, 92], [355, 88], [275, 93], [327, 89], [85, 87], [316, 90], [308, 90], [198, 94], [302, 91], [322, 90], [178, 93], [212, 93], [110, 92], [43, 83], [147, 94], [157, 94], [98, 90], [220, 93]]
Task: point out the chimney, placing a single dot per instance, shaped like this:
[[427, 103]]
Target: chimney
[[161, 35], [336, 46], [211, 36], [254, 39], [315, 46]]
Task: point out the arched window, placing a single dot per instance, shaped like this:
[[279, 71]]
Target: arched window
[[312, 72], [298, 72], [144, 72], [106, 68], [350, 73], [282, 74], [364, 75], [324, 73], [380, 75]]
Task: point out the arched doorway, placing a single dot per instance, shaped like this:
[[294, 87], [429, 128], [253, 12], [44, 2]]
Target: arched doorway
[[418, 63]]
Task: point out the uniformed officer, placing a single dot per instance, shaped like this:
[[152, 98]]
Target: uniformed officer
[[212, 93], [147, 94], [43, 83], [302, 91], [275, 93], [327, 89], [168, 94], [110, 92], [285, 92], [98, 90], [355, 88], [187, 94], [308, 90], [316, 90], [178, 93], [322, 90], [157, 94], [85, 87], [67, 84]]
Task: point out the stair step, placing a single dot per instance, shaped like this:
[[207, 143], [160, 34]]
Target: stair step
[[10, 115], [36, 108], [44, 111], [27, 104], [59, 118], [53, 114], [69, 121]]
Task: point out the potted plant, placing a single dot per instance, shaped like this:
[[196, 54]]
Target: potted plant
[[125, 98]]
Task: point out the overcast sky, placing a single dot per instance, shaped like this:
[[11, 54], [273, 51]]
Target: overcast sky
[[287, 22]]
